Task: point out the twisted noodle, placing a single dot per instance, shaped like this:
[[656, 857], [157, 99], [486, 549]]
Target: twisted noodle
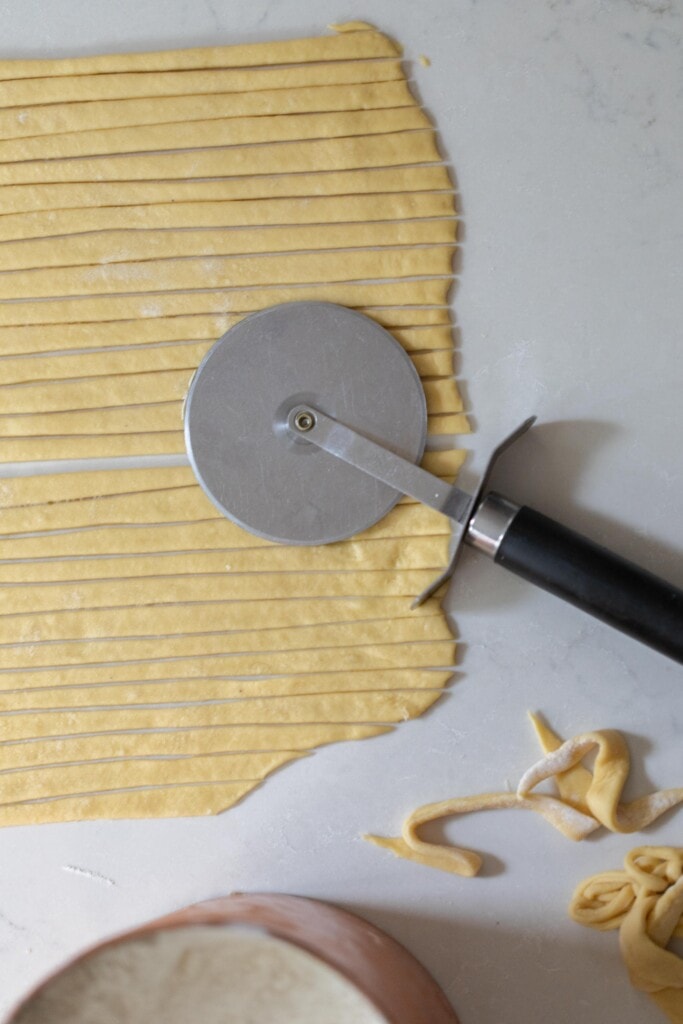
[[645, 901], [602, 796], [586, 801]]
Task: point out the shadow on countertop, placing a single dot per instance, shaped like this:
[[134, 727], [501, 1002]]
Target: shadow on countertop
[[498, 975]]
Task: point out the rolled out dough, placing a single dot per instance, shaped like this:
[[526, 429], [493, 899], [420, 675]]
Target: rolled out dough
[[328, 95], [157, 660], [186, 189], [154, 658], [38, 97]]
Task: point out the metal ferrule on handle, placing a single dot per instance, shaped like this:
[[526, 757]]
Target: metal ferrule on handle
[[489, 524]]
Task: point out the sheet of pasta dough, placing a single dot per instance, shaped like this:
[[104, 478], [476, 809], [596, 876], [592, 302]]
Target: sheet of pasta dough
[[148, 201], [156, 660]]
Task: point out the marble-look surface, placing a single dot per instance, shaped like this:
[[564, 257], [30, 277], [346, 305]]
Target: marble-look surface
[[563, 122]]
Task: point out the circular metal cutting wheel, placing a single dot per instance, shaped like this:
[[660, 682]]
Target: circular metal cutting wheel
[[248, 460]]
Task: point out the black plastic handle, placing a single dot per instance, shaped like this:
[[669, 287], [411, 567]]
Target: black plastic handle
[[594, 579]]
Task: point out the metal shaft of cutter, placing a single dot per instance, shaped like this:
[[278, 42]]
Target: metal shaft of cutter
[[380, 463]]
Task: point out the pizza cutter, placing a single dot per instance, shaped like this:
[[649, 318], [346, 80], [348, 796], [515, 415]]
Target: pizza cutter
[[306, 422]]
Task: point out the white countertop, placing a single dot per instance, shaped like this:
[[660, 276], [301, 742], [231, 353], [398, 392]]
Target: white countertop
[[563, 122]]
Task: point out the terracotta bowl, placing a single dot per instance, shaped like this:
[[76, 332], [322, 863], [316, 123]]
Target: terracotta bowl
[[378, 966]]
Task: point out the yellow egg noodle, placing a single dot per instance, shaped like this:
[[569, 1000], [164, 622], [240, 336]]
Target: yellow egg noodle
[[645, 902], [586, 799], [156, 660], [149, 206]]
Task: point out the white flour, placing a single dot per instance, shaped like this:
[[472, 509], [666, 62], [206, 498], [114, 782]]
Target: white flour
[[201, 975]]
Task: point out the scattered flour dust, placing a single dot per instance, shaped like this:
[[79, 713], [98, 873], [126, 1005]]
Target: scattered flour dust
[[200, 975], [94, 876], [150, 309]]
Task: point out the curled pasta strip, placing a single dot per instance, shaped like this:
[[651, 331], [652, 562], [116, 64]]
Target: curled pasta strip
[[459, 861], [602, 796], [586, 800]]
